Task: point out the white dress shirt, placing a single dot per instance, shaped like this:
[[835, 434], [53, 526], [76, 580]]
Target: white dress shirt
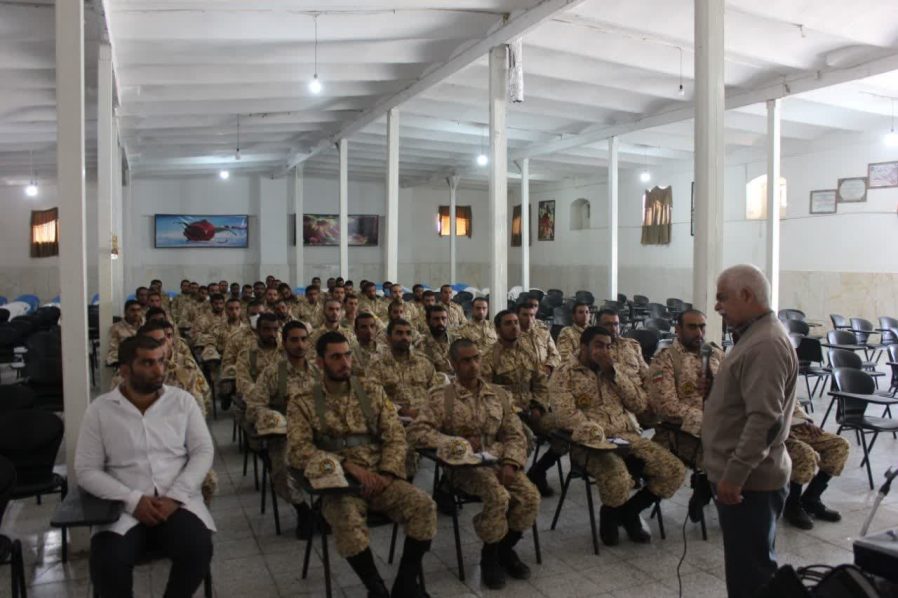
[[124, 454]]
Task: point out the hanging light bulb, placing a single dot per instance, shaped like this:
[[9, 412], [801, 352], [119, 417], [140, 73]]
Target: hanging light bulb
[[891, 138], [681, 91], [315, 84], [31, 190], [645, 176], [224, 175], [482, 160]]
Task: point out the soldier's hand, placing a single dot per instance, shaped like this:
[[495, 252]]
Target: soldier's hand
[[408, 412], [814, 430], [505, 474]]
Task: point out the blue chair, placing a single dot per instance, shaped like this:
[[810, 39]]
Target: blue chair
[[95, 300], [131, 297], [32, 300], [55, 299], [3, 300], [460, 286], [299, 291], [171, 294]]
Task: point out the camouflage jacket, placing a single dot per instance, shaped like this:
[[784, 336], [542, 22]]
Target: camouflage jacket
[[277, 382], [516, 370], [251, 362], [538, 341], [482, 334], [405, 380], [317, 333], [675, 386], [456, 315], [363, 355], [344, 416], [488, 414], [569, 342], [437, 351], [117, 333]]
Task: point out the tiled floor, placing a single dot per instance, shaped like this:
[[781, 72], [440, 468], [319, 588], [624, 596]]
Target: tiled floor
[[250, 560]]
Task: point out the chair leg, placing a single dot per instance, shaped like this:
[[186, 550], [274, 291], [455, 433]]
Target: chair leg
[[592, 514], [656, 512], [65, 544], [866, 461], [564, 487], [245, 462], [704, 527], [308, 552], [458, 555], [207, 585], [828, 409], [393, 537], [872, 442], [325, 559], [264, 487], [266, 464], [256, 471], [536, 548], [560, 471]]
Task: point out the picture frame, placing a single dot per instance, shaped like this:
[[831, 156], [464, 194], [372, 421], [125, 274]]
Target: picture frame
[[546, 226], [823, 201], [192, 231], [516, 231], [852, 190], [882, 175], [323, 230]]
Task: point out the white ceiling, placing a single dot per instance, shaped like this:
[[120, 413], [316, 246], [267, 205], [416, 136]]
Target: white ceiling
[[187, 68]]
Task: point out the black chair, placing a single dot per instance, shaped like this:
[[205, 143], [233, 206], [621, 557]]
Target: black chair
[[675, 306], [553, 300], [11, 550], [640, 300], [862, 330], [656, 310], [407, 297], [585, 297], [622, 299], [888, 326], [847, 338], [893, 359], [810, 365], [539, 294], [661, 325], [31, 439], [562, 316], [15, 397], [850, 413], [82, 509], [791, 314], [463, 297], [43, 369], [648, 340], [840, 322], [4, 315], [796, 327]]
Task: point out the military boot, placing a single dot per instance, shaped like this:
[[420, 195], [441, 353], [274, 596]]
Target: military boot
[[509, 559], [491, 572], [407, 584], [811, 502], [630, 518], [794, 512], [364, 567]]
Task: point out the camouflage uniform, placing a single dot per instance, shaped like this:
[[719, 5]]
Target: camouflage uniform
[[117, 333], [675, 395], [311, 314], [456, 314], [314, 335], [437, 351], [579, 394], [362, 355], [239, 340], [251, 362], [453, 410], [826, 451], [569, 342], [515, 369], [538, 341], [405, 380], [215, 339], [376, 306], [203, 327], [627, 356], [276, 383], [362, 418], [177, 304], [482, 334]]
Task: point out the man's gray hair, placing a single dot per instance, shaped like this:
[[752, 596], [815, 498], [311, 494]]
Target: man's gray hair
[[747, 276]]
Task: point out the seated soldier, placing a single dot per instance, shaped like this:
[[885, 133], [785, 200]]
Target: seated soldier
[[454, 310], [365, 346], [125, 328], [156, 476], [626, 352], [282, 312], [435, 344], [479, 329], [213, 340], [216, 315], [370, 302], [428, 299], [333, 313], [254, 358], [353, 421], [535, 335], [154, 299], [678, 385], [591, 389], [395, 312], [569, 337], [175, 304], [289, 375], [475, 412], [405, 375], [309, 309], [810, 447]]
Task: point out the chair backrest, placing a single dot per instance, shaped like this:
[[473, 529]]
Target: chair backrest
[[887, 325], [797, 327], [854, 381], [893, 351], [791, 314], [7, 484], [861, 329], [648, 340], [658, 324], [841, 337], [15, 397], [674, 304], [4, 315], [795, 339], [462, 297], [31, 439], [555, 330], [839, 322], [656, 310], [640, 300], [539, 294], [621, 298], [842, 358], [585, 297], [561, 316], [809, 350], [553, 300]]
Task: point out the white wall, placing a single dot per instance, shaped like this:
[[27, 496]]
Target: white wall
[[19, 272]]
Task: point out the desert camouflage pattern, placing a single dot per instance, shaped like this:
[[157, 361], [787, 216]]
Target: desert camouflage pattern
[[516, 370], [437, 351], [825, 451], [406, 380], [249, 368], [538, 340], [117, 333], [569, 342], [482, 334]]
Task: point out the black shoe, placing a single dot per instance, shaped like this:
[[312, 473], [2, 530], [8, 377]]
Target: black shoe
[[509, 559], [796, 515], [635, 527], [608, 522], [364, 567], [491, 572], [225, 403], [820, 511], [445, 501], [303, 521], [542, 484], [407, 584]]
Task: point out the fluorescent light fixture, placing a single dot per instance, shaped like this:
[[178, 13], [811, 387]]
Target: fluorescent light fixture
[[315, 85], [224, 175]]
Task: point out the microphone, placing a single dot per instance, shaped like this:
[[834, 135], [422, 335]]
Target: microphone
[[706, 360]]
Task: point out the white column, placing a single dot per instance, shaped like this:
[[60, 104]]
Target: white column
[[118, 269], [453, 240], [391, 265], [498, 178], [344, 207], [613, 256], [297, 190], [525, 223], [72, 256], [709, 159], [107, 153], [773, 201]]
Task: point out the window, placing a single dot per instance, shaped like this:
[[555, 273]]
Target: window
[[45, 233], [580, 214], [462, 221], [657, 205], [516, 232], [756, 198]]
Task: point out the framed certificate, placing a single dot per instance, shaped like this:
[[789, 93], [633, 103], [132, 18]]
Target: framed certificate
[[823, 201], [852, 190], [882, 174]]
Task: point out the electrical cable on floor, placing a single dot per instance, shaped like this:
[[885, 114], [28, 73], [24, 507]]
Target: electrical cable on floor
[[682, 558]]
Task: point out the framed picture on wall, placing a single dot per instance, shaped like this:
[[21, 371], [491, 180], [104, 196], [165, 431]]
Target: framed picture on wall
[[323, 230], [181, 231], [823, 201], [882, 174], [546, 229], [516, 229], [852, 190]]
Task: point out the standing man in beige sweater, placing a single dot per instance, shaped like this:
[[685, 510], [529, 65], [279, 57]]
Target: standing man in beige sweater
[[745, 426]]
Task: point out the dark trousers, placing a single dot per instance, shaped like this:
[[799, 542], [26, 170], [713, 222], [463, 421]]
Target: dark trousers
[[183, 538], [749, 537]]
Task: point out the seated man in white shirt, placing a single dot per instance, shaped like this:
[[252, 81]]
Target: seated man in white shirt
[[147, 445]]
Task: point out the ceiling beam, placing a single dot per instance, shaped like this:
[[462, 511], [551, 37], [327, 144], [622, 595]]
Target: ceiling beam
[[515, 26]]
